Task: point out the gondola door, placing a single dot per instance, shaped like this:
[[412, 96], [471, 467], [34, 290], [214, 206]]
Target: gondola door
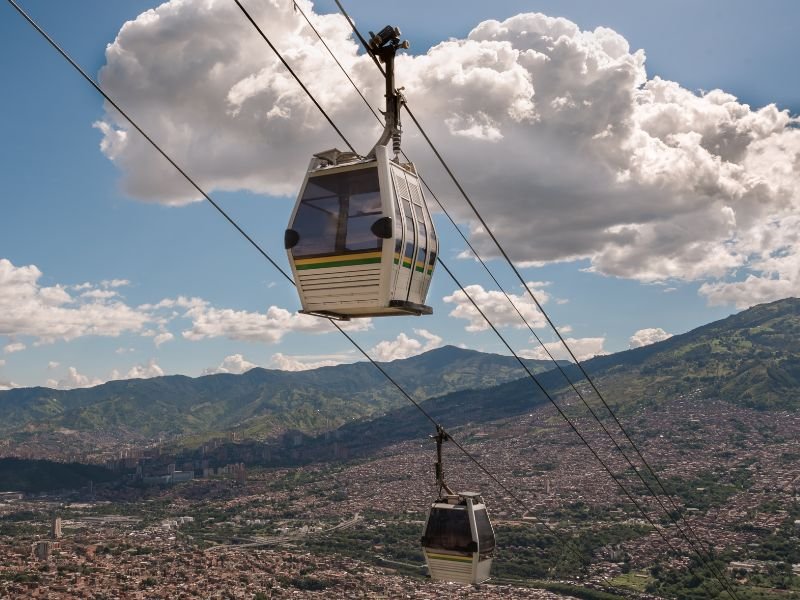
[[419, 277], [406, 240]]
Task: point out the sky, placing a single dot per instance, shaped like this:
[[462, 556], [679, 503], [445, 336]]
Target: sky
[[639, 163]]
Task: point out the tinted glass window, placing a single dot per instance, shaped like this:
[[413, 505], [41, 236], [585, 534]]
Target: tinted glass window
[[316, 222], [421, 259], [407, 209], [336, 213], [448, 529], [359, 235], [364, 203], [485, 533]]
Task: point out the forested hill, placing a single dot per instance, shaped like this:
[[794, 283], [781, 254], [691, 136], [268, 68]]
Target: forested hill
[[751, 358], [256, 403]]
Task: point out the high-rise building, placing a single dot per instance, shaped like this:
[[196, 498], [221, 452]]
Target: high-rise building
[[42, 550], [55, 528]]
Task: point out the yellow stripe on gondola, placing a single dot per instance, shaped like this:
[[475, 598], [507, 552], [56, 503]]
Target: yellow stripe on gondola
[[340, 260], [419, 266], [465, 559]]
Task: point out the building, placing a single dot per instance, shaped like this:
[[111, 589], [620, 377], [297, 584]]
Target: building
[[42, 550], [55, 528]]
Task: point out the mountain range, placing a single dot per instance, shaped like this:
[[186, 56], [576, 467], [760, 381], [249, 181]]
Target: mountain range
[[259, 403], [751, 359]]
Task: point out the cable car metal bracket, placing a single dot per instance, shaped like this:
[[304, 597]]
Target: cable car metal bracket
[[385, 45], [441, 436]]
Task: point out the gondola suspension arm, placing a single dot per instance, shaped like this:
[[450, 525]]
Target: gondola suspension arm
[[441, 436], [384, 45]]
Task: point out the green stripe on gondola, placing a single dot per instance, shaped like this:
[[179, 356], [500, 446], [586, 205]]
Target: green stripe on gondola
[[466, 559], [348, 262]]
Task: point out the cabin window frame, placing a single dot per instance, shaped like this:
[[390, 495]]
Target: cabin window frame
[[342, 191]]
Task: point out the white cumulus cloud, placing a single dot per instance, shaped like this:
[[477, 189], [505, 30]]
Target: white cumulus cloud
[[497, 308], [582, 348], [73, 379], [145, 371], [645, 337], [235, 363], [596, 161], [305, 363], [14, 347], [404, 346], [163, 338], [51, 313], [268, 327]]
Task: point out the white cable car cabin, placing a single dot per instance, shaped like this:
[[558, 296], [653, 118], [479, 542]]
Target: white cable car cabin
[[459, 539], [361, 241]]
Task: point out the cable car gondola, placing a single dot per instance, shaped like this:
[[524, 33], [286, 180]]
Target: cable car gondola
[[458, 540], [361, 241]]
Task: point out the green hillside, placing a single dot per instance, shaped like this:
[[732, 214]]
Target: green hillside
[[259, 403], [751, 359]]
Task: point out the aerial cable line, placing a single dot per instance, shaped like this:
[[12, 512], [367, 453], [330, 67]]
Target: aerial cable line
[[102, 92], [438, 426], [533, 297], [471, 300], [463, 290], [552, 325], [502, 250], [254, 244], [513, 267], [511, 302]]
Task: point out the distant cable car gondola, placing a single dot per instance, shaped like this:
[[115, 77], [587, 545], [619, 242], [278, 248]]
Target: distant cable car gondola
[[361, 241], [458, 540]]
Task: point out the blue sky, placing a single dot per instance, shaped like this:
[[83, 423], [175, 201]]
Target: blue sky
[[67, 211]]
